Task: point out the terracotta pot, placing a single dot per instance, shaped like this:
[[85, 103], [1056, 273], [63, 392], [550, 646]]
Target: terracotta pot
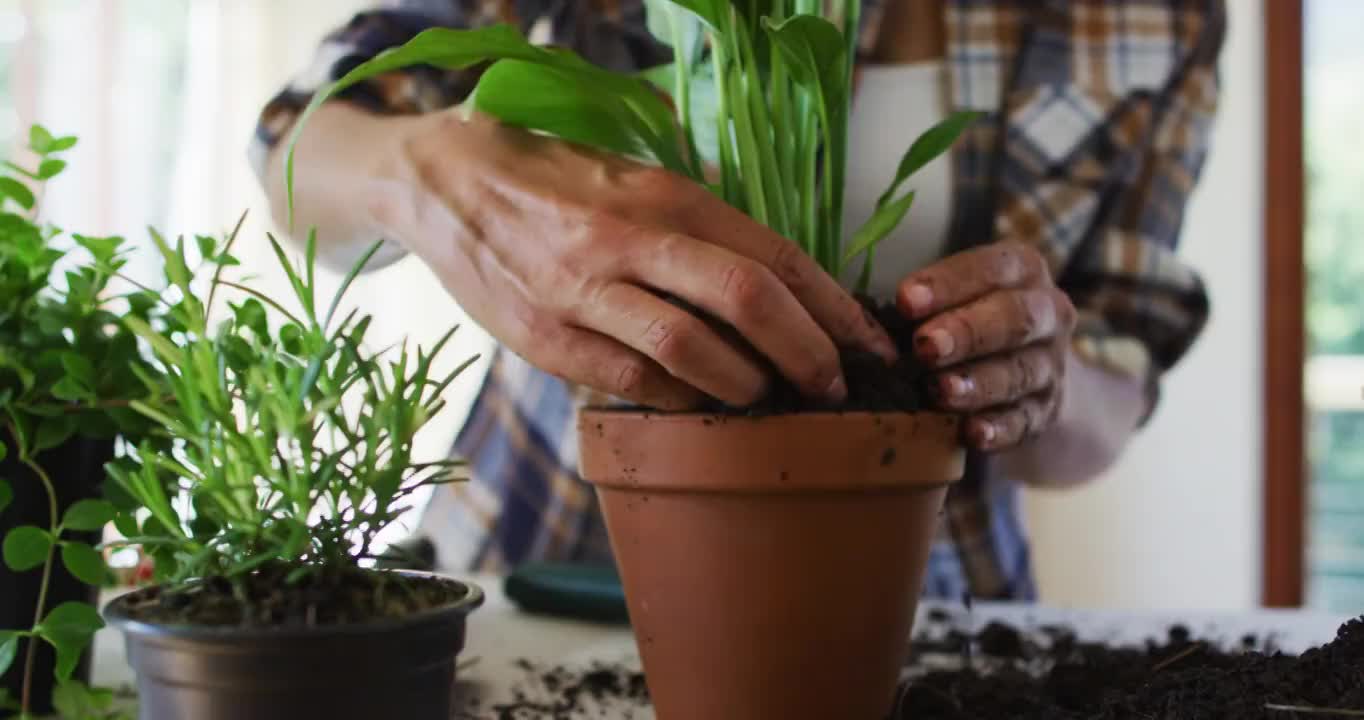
[[385, 669], [771, 565]]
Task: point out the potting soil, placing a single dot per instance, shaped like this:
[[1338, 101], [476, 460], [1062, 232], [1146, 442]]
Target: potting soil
[[873, 386]]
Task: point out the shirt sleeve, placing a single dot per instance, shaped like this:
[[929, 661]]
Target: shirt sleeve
[[1140, 306], [404, 91]]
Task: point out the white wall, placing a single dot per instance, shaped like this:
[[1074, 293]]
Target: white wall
[[1177, 523]]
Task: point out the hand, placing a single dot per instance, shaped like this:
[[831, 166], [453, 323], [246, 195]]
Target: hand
[[998, 331], [565, 254]]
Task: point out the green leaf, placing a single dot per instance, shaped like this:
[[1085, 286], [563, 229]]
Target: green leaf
[[26, 548], [50, 168], [40, 140], [62, 144], [712, 11], [102, 248], [6, 495], [816, 54], [88, 515], [52, 432], [75, 700], [9, 646], [126, 524], [876, 228], [562, 103], [460, 49], [70, 390], [291, 338], [18, 192], [69, 629], [251, 314], [932, 143], [84, 563], [79, 368], [206, 245]]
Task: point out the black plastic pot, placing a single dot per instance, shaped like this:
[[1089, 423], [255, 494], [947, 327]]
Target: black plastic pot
[[77, 472], [391, 669]]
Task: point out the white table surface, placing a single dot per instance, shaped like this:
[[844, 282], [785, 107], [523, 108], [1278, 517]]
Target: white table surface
[[500, 636]]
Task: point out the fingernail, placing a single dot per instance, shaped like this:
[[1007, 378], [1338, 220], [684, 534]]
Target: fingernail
[[936, 344], [919, 299], [985, 433], [837, 390], [959, 386]]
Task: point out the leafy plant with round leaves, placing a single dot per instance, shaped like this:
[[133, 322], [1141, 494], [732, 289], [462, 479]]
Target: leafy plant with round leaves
[[761, 88], [69, 368]]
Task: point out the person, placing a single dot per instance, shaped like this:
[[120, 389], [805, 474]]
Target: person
[[1040, 254]]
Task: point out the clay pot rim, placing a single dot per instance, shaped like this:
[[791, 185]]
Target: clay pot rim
[[840, 452], [116, 615], [677, 416]]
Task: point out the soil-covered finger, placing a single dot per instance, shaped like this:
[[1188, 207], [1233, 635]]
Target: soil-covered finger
[[840, 315], [998, 322], [998, 380], [677, 341], [588, 358], [967, 276], [1012, 425], [751, 299]]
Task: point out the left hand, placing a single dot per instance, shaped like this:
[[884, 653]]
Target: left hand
[[998, 331]]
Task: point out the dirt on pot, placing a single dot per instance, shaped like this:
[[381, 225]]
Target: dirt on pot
[[268, 599]]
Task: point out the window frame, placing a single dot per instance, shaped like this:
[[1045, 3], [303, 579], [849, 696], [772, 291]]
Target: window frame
[[1285, 469]]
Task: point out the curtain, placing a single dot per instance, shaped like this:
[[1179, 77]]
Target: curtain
[[164, 95]]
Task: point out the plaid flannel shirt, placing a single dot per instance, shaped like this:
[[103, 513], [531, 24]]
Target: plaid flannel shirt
[[1097, 116]]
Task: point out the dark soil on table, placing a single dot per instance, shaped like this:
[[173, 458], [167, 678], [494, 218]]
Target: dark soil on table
[[873, 386], [268, 599], [1014, 675], [1010, 674]]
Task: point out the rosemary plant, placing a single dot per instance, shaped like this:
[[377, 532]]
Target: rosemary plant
[[762, 88], [291, 442]]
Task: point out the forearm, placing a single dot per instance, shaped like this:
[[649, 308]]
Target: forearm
[[349, 185], [1100, 410]]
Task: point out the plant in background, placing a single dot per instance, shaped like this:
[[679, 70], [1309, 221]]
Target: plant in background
[[292, 449], [68, 370], [763, 88]]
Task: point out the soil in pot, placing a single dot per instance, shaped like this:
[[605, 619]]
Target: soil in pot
[[267, 599], [873, 386], [349, 645]]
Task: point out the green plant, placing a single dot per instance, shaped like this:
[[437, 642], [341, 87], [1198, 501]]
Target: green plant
[[68, 368], [761, 87], [292, 441]]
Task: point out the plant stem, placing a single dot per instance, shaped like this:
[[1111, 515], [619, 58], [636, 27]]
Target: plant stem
[[31, 652]]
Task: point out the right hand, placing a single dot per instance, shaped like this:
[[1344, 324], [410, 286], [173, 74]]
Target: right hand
[[562, 254]]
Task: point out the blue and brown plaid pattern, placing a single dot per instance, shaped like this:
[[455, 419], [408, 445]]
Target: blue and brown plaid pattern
[[1097, 115]]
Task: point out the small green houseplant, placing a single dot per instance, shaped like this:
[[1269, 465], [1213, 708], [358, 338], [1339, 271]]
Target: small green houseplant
[[288, 448], [68, 369], [752, 548]]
